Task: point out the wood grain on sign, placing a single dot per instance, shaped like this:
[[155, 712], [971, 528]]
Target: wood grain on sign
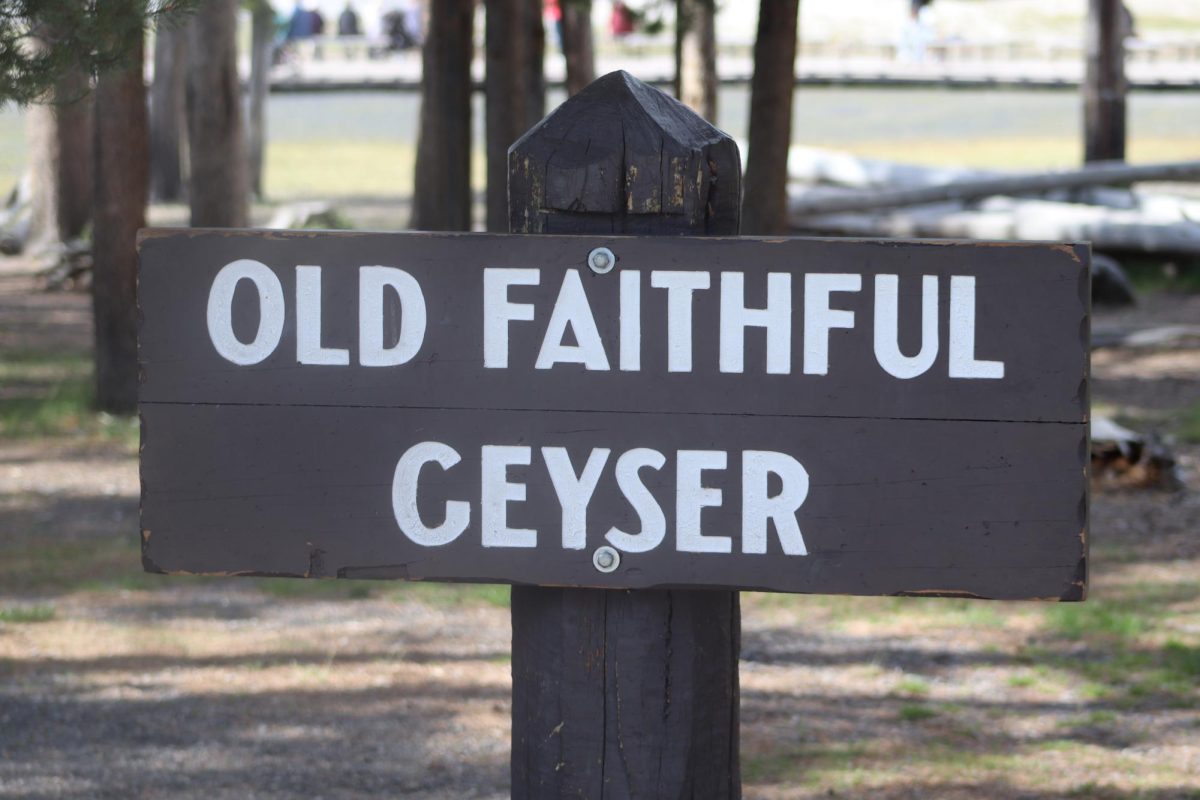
[[925, 485]]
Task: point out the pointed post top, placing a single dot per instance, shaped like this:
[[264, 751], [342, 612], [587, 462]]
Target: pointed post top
[[624, 157]]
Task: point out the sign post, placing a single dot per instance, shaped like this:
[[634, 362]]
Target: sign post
[[624, 693], [626, 412]]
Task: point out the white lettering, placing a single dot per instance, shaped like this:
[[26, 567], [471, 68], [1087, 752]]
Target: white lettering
[[572, 309], [574, 492], [220, 312], [404, 496], [691, 497], [308, 321], [887, 327], [679, 286], [631, 320], [758, 507], [819, 318], [650, 513], [372, 283], [495, 493], [962, 333], [776, 318], [498, 311]]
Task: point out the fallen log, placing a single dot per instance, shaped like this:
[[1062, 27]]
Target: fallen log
[[1098, 174], [1123, 459], [1141, 230]]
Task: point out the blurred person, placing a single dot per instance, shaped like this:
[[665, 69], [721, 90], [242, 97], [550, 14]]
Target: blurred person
[[552, 11], [301, 25], [620, 23], [413, 21], [918, 32], [348, 24]]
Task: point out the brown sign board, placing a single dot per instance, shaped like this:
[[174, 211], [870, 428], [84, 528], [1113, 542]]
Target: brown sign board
[[799, 415]]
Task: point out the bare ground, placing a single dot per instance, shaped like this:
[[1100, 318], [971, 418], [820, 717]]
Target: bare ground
[[118, 684]]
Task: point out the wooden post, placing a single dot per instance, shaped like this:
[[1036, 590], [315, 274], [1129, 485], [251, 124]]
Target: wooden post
[[1105, 86], [771, 91], [624, 693], [442, 176]]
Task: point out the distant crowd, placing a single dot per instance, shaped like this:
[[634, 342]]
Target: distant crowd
[[400, 25]]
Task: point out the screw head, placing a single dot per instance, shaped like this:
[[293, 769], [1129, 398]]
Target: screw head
[[601, 260], [606, 559]]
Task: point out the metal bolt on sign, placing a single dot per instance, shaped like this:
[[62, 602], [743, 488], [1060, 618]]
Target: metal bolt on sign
[[601, 260], [606, 559]]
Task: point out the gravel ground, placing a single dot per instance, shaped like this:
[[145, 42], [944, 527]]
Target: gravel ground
[[137, 686]]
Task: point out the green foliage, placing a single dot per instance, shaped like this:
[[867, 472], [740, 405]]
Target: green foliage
[[42, 40]]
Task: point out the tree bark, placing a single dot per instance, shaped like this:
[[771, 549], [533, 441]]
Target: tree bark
[[515, 93], [168, 115], [262, 35], [764, 209], [1105, 85], [696, 56], [624, 693], [60, 136], [442, 187], [219, 186], [578, 44], [535, 85], [120, 193], [73, 112]]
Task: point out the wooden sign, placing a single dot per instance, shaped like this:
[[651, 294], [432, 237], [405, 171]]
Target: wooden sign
[[800, 415]]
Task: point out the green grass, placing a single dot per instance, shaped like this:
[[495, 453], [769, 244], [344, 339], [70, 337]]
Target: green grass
[[52, 395], [26, 614], [914, 712], [1189, 424], [912, 687], [437, 594], [1097, 619], [1154, 274], [1021, 680]]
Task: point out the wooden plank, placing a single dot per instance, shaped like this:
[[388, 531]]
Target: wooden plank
[[982, 509], [1027, 295]]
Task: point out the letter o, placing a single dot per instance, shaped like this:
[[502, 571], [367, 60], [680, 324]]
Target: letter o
[[220, 312]]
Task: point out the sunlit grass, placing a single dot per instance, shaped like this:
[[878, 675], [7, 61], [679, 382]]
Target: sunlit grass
[[350, 168]]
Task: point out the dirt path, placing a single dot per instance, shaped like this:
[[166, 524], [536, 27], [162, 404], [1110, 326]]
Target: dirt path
[[116, 684]]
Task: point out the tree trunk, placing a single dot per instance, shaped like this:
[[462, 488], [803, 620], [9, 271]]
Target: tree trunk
[[535, 85], [442, 189], [696, 56], [515, 92], [624, 693], [120, 194], [578, 44], [73, 114], [262, 35], [1105, 85], [764, 208], [219, 187], [168, 117], [60, 136]]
